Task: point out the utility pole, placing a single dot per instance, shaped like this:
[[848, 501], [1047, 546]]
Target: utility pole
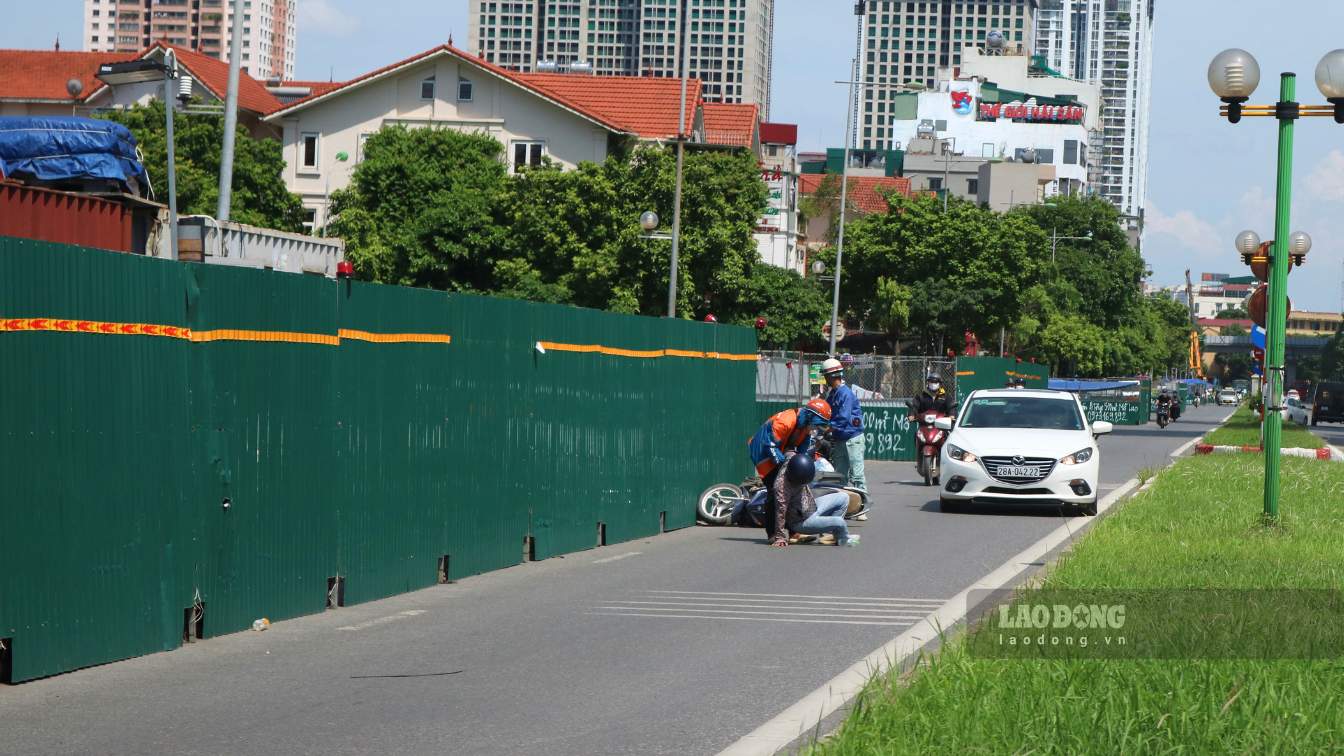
[[681, 158], [231, 115]]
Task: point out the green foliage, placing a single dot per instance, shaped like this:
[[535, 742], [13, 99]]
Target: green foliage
[[259, 194], [1332, 359], [973, 270]]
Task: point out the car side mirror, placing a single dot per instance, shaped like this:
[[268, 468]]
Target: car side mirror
[[943, 423], [1101, 428]]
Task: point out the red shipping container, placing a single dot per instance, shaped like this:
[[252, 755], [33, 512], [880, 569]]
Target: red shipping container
[[30, 212]]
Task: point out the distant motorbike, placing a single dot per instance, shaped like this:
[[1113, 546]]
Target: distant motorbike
[[1163, 416], [929, 442]]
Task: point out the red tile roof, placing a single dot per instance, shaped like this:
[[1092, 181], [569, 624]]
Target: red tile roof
[[779, 133], [865, 192], [42, 74], [559, 98], [211, 73], [643, 105], [731, 124]]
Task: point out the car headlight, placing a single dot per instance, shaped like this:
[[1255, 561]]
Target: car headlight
[[960, 454], [1078, 457]]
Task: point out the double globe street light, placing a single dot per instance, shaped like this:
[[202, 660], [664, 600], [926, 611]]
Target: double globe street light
[[1233, 76]]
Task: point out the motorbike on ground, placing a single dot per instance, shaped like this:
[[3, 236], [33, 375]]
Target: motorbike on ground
[[744, 505], [929, 442]]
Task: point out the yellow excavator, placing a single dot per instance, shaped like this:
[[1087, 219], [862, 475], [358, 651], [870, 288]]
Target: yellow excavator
[[1196, 357]]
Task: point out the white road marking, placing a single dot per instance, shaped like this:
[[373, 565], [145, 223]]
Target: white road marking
[[934, 602], [1186, 446], [775, 613], [753, 619], [806, 714], [914, 610], [618, 557], [384, 620]]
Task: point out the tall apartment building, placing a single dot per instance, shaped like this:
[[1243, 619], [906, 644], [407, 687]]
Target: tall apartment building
[[1108, 42], [906, 42], [201, 25], [727, 42]]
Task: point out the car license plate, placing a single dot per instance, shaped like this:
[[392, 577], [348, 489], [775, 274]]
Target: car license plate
[[1019, 471]]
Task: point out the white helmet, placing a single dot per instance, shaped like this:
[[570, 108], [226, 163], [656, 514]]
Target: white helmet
[[831, 366]]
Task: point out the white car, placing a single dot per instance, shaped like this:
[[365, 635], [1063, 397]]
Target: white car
[[1294, 411], [1010, 445], [1229, 396]]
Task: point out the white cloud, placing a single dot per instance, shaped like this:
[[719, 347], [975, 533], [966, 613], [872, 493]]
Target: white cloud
[[325, 18], [1190, 231], [1326, 182]]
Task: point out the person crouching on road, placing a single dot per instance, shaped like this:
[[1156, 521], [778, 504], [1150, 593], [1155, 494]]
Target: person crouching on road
[[797, 510], [787, 431], [846, 426]]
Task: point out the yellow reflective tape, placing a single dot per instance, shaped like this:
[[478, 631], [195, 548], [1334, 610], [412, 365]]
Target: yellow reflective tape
[[396, 338], [232, 334], [643, 353], [965, 372]]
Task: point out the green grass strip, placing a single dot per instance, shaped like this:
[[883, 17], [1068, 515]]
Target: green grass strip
[[1197, 527], [1243, 429]]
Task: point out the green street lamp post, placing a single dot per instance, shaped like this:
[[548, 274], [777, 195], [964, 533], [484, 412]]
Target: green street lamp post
[[1233, 76]]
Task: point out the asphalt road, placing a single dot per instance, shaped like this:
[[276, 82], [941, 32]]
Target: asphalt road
[[1333, 433], [676, 644]]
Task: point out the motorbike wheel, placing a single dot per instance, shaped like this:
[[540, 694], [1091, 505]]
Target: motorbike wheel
[[937, 471], [715, 505], [927, 468]]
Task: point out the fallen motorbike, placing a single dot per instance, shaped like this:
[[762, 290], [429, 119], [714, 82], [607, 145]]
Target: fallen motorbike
[[744, 505], [928, 446]]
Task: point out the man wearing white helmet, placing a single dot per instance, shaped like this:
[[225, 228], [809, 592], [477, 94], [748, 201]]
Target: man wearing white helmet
[[846, 425]]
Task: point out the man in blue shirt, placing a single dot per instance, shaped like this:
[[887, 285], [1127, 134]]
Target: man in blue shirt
[[846, 425]]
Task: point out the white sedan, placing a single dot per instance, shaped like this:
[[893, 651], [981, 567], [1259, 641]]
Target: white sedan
[[1294, 411], [1009, 446]]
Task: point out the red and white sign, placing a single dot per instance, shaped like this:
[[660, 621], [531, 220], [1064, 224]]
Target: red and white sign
[[1050, 113]]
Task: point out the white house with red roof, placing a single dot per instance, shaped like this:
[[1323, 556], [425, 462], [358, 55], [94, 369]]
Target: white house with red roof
[[567, 118]]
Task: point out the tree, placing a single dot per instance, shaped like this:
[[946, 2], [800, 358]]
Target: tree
[[420, 209], [259, 195], [1235, 313]]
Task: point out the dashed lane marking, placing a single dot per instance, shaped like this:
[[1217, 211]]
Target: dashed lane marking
[[384, 620], [618, 557], [755, 619]]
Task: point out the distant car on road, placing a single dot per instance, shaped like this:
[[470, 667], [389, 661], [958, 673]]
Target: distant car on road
[[1295, 411], [1012, 446], [1328, 404], [1229, 396]]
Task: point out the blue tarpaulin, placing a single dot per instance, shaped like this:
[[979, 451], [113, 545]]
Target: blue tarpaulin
[[1064, 384], [69, 148]]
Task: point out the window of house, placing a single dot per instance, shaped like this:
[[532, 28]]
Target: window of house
[[427, 89], [464, 90], [1071, 152], [309, 218], [527, 154], [308, 150], [359, 149], [973, 186], [935, 184], [987, 149]]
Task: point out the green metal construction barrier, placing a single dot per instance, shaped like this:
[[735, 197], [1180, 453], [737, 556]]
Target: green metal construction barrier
[[189, 448], [975, 373]]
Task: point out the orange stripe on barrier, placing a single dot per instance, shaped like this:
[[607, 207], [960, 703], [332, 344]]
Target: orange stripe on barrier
[[966, 372], [644, 353], [396, 338], [232, 334], [100, 327]]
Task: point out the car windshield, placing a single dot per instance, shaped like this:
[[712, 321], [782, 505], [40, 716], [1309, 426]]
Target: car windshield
[[1021, 412]]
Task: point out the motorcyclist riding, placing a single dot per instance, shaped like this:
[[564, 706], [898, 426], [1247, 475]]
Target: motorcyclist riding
[[934, 398], [1164, 405]]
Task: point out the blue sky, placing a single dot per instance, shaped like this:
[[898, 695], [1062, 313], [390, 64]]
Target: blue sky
[[1207, 179]]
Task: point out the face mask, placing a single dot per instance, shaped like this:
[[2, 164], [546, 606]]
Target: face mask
[[933, 388]]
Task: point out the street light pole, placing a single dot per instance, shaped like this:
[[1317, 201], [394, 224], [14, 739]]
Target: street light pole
[[1277, 317], [844, 204], [1055, 239], [230, 115], [169, 98], [681, 158]]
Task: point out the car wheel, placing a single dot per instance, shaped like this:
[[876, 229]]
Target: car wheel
[[951, 506], [1089, 509]]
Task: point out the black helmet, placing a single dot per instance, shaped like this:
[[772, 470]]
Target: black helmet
[[800, 470]]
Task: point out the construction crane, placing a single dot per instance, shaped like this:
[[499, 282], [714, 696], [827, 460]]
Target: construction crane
[[1196, 358]]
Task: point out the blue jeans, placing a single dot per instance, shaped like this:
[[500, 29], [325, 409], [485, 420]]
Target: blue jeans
[[829, 517], [848, 459]]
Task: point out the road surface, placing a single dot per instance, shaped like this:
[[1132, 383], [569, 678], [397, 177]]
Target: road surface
[[676, 644]]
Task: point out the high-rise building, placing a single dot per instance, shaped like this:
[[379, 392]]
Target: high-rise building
[[727, 43], [907, 42], [201, 25], [1108, 42]]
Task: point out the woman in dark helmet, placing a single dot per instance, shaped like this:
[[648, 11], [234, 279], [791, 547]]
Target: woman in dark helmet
[[797, 510]]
